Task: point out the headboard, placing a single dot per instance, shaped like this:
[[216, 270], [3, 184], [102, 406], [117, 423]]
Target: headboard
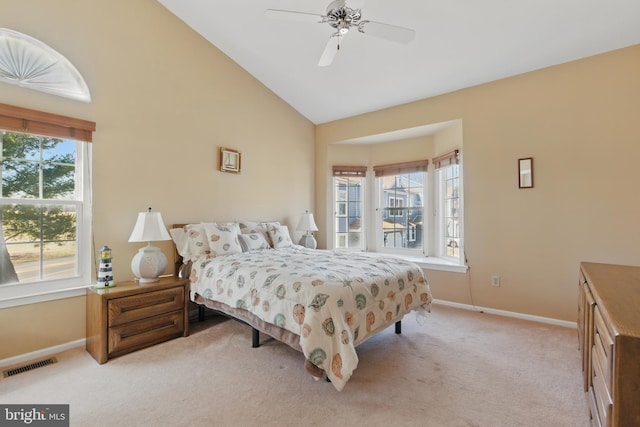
[[177, 256]]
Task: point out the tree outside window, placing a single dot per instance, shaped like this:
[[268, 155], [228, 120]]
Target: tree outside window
[[39, 206]]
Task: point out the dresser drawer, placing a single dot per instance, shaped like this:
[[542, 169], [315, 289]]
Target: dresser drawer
[[132, 336], [604, 403], [136, 307], [600, 357], [602, 330], [593, 410], [582, 320], [588, 336]]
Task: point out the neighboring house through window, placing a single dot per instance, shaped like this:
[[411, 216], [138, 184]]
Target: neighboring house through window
[[417, 210], [348, 187], [400, 196]]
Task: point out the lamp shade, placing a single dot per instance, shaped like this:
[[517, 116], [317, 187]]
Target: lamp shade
[[149, 228], [307, 223]]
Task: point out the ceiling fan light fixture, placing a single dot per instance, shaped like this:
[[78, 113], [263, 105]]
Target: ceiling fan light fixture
[[342, 19]]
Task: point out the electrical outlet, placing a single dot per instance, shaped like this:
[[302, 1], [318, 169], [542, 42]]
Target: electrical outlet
[[495, 280]]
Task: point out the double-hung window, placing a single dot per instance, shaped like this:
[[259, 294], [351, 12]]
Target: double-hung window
[[400, 207], [415, 211], [449, 212], [348, 189], [45, 205]]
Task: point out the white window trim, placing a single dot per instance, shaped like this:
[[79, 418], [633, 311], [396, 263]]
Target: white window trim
[[370, 201], [437, 263], [440, 223], [378, 238], [12, 295], [333, 215]]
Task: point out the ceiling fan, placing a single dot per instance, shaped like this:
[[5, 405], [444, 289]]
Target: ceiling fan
[[343, 19]]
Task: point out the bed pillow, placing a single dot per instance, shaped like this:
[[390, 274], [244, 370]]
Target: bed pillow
[[262, 227], [223, 239], [280, 236], [253, 242], [191, 241]]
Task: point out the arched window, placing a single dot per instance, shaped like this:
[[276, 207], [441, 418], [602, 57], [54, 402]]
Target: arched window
[[30, 63]]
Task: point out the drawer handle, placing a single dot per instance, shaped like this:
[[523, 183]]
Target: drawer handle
[[170, 300], [168, 325]]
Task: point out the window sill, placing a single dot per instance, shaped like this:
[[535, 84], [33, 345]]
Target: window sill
[[435, 263], [429, 263], [7, 301]]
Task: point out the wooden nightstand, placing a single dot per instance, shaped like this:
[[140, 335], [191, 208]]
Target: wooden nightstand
[[132, 316]]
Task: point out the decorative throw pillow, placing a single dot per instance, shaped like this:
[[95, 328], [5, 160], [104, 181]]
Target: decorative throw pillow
[[191, 241], [223, 239], [248, 227], [280, 236], [253, 242]]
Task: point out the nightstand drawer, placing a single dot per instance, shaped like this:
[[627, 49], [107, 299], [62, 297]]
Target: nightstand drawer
[[146, 332], [135, 307]]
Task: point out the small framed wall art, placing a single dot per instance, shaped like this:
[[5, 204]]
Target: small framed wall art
[[230, 160], [525, 172]]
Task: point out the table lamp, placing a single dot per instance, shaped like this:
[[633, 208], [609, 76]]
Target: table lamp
[[308, 225], [149, 262]]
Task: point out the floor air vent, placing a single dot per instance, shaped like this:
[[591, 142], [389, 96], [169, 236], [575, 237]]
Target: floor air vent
[[29, 367]]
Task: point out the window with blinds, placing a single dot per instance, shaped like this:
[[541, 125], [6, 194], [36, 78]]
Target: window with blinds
[[416, 209], [45, 204], [400, 207]]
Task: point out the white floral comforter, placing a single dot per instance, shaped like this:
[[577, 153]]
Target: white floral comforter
[[333, 300]]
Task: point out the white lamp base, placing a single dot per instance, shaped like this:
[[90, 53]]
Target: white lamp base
[[148, 264], [308, 241]]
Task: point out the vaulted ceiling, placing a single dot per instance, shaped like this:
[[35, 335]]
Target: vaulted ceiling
[[457, 44]]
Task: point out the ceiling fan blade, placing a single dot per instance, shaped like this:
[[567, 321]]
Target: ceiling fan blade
[[330, 50], [291, 15], [387, 31], [356, 4], [336, 4]]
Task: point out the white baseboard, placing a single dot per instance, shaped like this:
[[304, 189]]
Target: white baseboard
[[533, 318], [15, 360], [39, 354]]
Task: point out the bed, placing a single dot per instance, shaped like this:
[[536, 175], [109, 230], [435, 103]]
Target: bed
[[320, 302]]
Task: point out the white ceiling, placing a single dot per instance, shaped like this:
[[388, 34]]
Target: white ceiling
[[458, 43]]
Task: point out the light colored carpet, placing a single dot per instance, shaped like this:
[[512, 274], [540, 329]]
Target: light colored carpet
[[460, 368]]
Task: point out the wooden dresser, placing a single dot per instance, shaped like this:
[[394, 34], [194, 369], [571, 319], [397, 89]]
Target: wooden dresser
[[609, 338], [131, 316]]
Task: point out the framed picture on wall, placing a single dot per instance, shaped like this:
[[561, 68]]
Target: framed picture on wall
[[525, 172], [230, 160]]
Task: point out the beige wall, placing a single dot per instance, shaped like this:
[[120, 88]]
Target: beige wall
[[160, 91], [164, 101], [579, 123]]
